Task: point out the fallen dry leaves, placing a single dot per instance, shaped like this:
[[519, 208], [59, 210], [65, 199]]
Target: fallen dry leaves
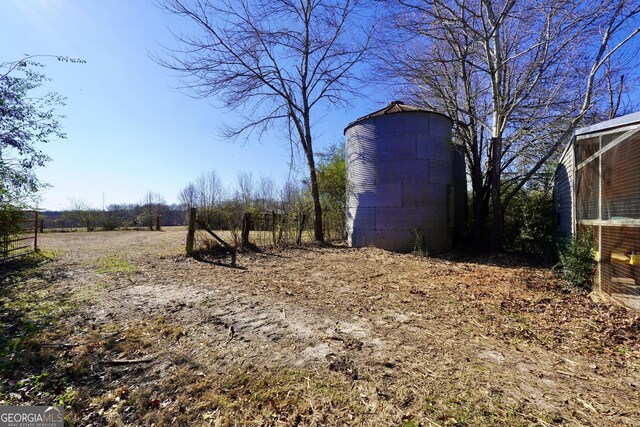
[[329, 336]]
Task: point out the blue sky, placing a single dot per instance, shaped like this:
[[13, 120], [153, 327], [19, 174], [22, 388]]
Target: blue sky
[[128, 129]]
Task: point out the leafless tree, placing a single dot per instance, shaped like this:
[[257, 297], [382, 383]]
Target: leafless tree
[[292, 200], [206, 193], [618, 78], [188, 196], [516, 76], [266, 192], [209, 189], [246, 188], [153, 205], [273, 61]]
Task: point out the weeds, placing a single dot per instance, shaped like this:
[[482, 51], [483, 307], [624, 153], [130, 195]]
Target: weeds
[[462, 407], [67, 398], [419, 245], [29, 314]]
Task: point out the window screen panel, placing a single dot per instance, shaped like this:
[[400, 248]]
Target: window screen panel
[[621, 180], [609, 138], [586, 148], [587, 191], [620, 273]]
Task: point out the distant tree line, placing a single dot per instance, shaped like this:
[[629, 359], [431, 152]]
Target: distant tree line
[[114, 217], [283, 211]]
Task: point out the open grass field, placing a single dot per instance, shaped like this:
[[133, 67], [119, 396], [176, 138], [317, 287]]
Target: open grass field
[[124, 330]]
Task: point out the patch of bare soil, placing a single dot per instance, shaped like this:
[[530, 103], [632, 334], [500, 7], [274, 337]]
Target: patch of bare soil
[[310, 336]]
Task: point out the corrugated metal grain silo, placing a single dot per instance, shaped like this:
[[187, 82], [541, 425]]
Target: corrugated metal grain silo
[[400, 179]]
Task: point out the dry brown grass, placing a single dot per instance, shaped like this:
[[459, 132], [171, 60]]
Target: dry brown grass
[[125, 331]]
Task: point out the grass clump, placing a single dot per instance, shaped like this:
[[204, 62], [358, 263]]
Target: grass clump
[[242, 396], [419, 245], [463, 407], [114, 264], [24, 265]]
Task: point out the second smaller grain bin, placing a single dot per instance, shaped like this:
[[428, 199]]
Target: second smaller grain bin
[[400, 172]]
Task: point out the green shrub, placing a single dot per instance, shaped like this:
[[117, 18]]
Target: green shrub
[[578, 261], [332, 184], [529, 223]]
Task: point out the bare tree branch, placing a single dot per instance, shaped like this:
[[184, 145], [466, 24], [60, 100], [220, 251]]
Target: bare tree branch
[[275, 61], [516, 76]]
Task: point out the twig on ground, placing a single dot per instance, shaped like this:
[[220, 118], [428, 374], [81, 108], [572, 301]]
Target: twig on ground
[[587, 405], [68, 345], [231, 334], [131, 361]]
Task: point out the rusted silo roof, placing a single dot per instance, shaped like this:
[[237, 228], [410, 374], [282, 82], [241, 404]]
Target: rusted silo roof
[[395, 107]]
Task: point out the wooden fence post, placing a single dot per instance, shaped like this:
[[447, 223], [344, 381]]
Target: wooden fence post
[[191, 234], [273, 226], [35, 232], [303, 219]]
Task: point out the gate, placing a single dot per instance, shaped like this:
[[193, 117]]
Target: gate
[[18, 233]]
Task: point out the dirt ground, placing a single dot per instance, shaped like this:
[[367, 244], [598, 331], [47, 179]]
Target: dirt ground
[[123, 329]]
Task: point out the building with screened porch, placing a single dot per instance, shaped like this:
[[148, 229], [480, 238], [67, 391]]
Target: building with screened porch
[[597, 187]]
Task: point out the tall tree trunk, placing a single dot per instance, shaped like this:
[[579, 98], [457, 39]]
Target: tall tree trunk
[[479, 206], [496, 202], [479, 211], [318, 232], [303, 127]]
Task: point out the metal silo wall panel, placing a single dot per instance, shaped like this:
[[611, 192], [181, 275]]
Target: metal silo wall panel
[[406, 151], [371, 196], [400, 171], [399, 167], [414, 193], [439, 171], [440, 126], [432, 146], [396, 219]]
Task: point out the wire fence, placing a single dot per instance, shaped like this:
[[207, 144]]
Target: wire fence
[[18, 233], [261, 229], [265, 228]]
